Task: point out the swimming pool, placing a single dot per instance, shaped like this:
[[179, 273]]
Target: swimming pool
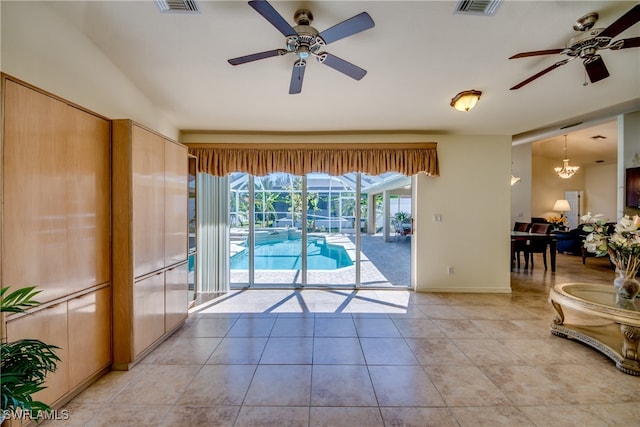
[[287, 255]]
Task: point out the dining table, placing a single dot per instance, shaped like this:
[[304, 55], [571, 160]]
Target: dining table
[[550, 239]]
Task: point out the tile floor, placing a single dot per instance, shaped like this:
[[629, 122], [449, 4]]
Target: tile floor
[[371, 358]]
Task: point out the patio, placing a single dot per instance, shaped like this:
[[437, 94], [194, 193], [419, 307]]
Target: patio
[[383, 264]]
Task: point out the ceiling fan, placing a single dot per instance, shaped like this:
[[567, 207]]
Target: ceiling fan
[[304, 41], [587, 45]]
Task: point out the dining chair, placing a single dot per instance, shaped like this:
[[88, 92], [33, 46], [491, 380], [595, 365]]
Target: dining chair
[[520, 245], [537, 246]]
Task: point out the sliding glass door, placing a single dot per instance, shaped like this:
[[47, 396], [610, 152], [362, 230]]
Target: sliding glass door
[[305, 231]]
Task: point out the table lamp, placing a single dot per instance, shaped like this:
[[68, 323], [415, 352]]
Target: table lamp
[[561, 206]]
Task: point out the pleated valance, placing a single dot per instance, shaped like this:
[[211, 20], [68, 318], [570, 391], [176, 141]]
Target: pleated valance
[[300, 159]]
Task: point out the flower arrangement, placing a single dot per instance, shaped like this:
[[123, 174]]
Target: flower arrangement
[[622, 245], [557, 220]]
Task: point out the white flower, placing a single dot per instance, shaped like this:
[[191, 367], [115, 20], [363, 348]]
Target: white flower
[[622, 243]]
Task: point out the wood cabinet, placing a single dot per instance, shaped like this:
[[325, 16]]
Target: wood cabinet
[[50, 326], [56, 230], [81, 328], [89, 339], [177, 295], [175, 203], [56, 194], [148, 200], [148, 310], [150, 175]]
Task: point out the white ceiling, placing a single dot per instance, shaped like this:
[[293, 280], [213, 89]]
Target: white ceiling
[[418, 56]]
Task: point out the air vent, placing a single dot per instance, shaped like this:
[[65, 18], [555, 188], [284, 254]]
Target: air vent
[[178, 6], [477, 7]]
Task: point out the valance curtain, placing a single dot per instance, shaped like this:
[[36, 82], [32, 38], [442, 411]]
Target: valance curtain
[[300, 159]]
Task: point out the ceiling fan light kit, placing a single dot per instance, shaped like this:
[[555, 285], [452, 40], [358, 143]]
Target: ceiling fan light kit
[[587, 45], [465, 100], [305, 41]]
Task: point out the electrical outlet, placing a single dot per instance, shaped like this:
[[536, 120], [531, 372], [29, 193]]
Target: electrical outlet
[[437, 217], [450, 269]]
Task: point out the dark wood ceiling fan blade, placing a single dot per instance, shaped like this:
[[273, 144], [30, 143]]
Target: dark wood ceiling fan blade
[[347, 28], [630, 42], [625, 21], [540, 74], [297, 77], [596, 70], [343, 66], [536, 53], [265, 9], [256, 56]]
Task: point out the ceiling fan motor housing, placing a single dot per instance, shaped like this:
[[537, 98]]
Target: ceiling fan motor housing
[[587, 44], [307, 42]]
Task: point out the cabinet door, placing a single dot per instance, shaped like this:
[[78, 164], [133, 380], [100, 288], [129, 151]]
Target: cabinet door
[[148, 201], [88, 201], [89, 334], [177, 295], [48, 325], [148, 311], [34, 219], [176, 200], [56, 194]]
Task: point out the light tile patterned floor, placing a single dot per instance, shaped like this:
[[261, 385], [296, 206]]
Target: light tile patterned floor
[[370, 358]]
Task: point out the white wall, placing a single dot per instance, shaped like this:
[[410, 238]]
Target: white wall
[[521, 192], [473, 197], [39, 47], [599, 195]]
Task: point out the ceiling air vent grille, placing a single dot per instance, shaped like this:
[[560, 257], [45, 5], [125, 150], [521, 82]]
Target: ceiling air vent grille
[[477, 7], [178, 6]]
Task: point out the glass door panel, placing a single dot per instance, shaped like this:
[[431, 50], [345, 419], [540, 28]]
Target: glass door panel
[[386, 244], [320, 230], [277, 230], [239, 229], [331, 231]]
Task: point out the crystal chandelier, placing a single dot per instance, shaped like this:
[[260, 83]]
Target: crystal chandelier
[[566, 171]]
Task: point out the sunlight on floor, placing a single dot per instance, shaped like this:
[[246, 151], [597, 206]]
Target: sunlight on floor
[[308, 301]]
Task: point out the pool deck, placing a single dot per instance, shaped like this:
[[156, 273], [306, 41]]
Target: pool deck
[[383, 265]]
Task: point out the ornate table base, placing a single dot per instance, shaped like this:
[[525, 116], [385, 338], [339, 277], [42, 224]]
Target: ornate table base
[[618, 339]]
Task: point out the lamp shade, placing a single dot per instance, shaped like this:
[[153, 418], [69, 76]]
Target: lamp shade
[[561, 206]]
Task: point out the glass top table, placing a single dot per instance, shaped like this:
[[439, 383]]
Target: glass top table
[[618, 337]]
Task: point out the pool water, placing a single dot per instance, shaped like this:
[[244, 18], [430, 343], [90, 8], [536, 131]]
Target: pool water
[[287, 255]]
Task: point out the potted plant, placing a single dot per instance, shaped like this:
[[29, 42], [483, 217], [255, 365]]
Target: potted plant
[[24, 363], [402, 223]]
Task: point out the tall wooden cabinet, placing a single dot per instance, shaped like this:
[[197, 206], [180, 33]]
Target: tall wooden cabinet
[[55, 231], [150, 275]]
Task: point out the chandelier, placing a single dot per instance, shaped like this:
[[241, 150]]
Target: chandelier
[[566, 171]]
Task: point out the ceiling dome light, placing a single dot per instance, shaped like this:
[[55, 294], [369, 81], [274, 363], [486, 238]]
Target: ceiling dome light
[[466, 100]]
